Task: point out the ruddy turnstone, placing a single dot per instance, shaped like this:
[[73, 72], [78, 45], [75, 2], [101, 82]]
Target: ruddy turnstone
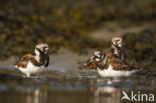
[[109, 62], [113, 66], [115, 49], [117, 46], [35, 62], [91, 62]]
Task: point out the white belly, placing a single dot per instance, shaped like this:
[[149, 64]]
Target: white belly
[[31, 69], [110, 72]]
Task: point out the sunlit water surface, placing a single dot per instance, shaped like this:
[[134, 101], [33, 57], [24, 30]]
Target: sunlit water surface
[[70, 87]]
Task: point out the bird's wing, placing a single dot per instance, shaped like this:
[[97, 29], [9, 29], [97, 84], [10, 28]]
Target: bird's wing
[[25, 59], [119, 64]]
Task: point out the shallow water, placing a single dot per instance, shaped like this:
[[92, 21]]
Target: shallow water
[[64, 82], [72, 86]]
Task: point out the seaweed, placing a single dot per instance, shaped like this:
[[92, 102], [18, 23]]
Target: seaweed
[[24, 23]]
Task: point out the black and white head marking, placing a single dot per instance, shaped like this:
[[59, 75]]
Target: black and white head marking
[[98, 56], [41, 55], [117, 42], [41, 48]]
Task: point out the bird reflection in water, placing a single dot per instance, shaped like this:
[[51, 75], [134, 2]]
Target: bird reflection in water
[[106, 91], [36, 96]]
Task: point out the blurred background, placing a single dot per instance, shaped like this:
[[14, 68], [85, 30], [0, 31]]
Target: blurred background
[[78, 25], [74, 29]]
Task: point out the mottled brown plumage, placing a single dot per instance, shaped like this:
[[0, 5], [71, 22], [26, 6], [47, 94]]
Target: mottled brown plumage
[[24, 61], [33, 63], [91, 62], [116, 63], [113, 56]]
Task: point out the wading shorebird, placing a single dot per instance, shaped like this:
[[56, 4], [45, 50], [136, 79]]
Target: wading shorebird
[[115, 49], [110, 62], [113, 66], [35, 62]]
